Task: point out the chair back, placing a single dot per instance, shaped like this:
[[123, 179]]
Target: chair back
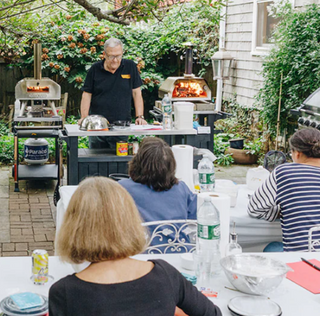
[[314, 244], [172, 236]]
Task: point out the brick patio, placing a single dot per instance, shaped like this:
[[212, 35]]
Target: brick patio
[[27, 217]]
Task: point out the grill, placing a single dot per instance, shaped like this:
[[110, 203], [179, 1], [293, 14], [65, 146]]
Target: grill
[[36, 97], [309, 112]]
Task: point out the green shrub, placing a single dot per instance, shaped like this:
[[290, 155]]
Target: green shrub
[[297, 56]]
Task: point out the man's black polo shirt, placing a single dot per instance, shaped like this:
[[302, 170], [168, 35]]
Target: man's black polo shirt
[[112, 93]]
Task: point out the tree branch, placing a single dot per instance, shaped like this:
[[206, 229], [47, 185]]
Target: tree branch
[[101, 15], [15, 5], [26, 11]]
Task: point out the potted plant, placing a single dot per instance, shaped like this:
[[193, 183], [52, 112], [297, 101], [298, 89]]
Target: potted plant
[[248, 155]]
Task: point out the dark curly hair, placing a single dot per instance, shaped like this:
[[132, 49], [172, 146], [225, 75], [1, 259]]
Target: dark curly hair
[[154, 165], [306, 141]]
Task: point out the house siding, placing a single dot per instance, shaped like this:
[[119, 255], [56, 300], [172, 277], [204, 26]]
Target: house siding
[[246, 79]]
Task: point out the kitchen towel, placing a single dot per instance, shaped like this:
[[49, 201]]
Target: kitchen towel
[[222, 202], [183, 155]]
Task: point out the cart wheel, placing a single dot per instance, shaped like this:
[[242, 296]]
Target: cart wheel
[[56, 195]]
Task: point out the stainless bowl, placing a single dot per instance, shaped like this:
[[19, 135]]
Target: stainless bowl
[[94, 123], [254, 274]]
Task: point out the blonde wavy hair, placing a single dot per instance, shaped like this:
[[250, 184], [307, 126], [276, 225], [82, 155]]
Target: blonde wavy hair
[[101, 223]]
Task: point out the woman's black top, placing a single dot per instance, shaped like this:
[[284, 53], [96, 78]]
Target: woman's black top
[[154, 294]]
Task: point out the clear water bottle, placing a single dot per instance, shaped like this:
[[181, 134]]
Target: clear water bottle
[[233, 247], [206, 174], [166, 104], [208, 234]]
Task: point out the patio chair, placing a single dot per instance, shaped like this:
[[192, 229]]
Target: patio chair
[[314, 244], [172, 236]]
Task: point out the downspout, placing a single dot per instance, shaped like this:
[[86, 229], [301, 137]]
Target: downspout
[[222, 42]]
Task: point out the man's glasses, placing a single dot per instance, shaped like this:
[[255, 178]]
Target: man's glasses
[[110, 57]]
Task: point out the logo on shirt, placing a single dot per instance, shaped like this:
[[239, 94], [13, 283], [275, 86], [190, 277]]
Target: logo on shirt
[[126, 76]]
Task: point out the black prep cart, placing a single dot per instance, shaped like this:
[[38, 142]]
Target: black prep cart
[[85, 162]]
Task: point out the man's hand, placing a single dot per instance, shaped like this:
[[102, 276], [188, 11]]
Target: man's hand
[[140, 121], [80, 121]]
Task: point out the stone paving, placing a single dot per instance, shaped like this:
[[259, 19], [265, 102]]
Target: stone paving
[[27, 218]]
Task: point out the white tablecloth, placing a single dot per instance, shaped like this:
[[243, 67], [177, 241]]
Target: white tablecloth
[[294, 300], [254, 234]]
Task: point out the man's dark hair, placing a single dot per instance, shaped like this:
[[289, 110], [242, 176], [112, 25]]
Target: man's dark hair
[[306, 141], [154, 165]]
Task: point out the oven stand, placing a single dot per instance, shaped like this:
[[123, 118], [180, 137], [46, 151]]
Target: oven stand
[[37, 171]]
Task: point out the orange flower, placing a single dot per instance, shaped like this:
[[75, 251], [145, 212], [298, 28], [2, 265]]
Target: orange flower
[[83, 50], [44, 57], [35, 41], [101, 43], [93, 50], [79, 79], [45, 50], [51, 64], [72, 45], [56, 66], [70, 38], [80, 45], [101, 56], [86, 36], [99, 37], [66, 69], [60, 56], [68, 17], [63, 39]]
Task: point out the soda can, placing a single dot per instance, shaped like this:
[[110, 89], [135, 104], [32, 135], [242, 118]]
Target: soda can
[[40, 266], [122, 148], [130, 148]]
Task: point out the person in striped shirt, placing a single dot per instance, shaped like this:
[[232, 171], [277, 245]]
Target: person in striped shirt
[[292, 192]]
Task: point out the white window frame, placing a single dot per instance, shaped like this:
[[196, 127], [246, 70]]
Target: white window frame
[[259, 50]]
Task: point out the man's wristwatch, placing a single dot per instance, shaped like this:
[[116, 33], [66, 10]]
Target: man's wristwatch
[[140, 116]]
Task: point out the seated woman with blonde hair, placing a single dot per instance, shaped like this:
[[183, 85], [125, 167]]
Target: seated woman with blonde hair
[[102, 225]]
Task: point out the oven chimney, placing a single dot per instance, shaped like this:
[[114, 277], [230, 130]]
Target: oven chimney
[[37, 51], [189, 60]]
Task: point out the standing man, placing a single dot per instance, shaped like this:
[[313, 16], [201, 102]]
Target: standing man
[[109, 88]]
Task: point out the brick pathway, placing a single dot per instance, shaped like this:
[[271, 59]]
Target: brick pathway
[[31, 215], [27, 218]]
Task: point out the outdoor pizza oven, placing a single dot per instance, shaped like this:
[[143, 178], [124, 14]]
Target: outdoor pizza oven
[[308, 113], [188, 87], [181, 88], [37, 92]]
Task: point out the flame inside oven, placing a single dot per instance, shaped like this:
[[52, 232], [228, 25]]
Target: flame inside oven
[[38, 89], [188, 89]]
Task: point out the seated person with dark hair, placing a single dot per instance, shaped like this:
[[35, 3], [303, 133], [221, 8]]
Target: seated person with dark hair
[[156, 191]]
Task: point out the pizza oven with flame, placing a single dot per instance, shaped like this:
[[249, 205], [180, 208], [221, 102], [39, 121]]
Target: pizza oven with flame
[[188, 87], [181, 88]]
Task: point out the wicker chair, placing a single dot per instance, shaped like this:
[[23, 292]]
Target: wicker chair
[[172, 236], [314, 244]]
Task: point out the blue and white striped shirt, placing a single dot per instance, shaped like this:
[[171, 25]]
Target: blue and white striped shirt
[[292, 192]]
